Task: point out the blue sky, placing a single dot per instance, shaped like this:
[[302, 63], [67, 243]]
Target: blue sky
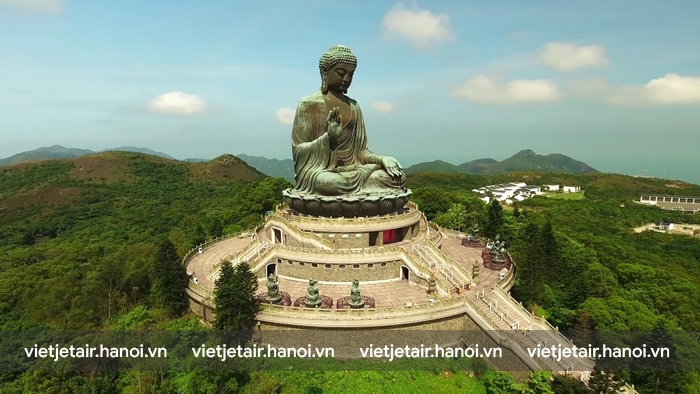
[[612, 83]]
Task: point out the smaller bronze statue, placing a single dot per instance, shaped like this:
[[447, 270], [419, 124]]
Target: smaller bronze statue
[[498, 250], [473, 235], [273, 294], [475, 273], [355, 297], [312, 299], [432, 286]]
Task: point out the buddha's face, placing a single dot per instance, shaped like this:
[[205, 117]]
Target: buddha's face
[[339, 77]]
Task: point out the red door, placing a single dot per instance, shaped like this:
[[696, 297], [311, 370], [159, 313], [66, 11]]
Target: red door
[[389, 236]]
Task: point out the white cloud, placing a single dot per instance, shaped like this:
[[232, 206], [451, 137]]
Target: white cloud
[[674, 89], [285, 115], [565, 56], [421, 27], [671, 89], [46, 6], [484, 90], [177, 103], [383, 106]]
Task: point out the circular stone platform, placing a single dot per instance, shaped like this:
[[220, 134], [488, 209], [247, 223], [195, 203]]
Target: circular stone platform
[[285, 300], [326, 302], [344, 302], [356, 205]]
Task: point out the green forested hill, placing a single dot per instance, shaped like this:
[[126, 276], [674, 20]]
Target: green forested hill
[[527, 160], [64, 221], [580, 264], [77, 239], [598, 186], [435, 166]]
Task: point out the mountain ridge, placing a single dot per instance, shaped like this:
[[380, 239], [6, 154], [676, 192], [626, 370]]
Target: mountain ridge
[[528, 160], [62, 152], [524, 160]]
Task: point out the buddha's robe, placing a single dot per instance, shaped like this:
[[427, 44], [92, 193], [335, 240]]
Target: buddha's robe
[[346, 167]]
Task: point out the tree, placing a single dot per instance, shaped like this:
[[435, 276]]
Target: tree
[[497, 382], [432, 201], [455, 218], [568, 385], [495, 219], [539, 382], [169, 279], [548, 243], [604, 382], [234, 297], [215, 228], [516, 213]]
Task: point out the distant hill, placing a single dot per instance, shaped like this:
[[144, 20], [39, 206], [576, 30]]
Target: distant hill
[[271, 167], [43, 182], [145, 151], [61, 152], [435, 166], [44, 153], [225, 167], [527, 160], [191, 160], [478, 166], [598, 186]]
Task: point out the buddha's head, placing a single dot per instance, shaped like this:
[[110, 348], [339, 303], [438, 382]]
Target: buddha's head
[[337, 67]]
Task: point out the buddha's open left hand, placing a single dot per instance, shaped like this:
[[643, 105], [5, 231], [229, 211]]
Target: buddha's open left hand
[[392, 167]]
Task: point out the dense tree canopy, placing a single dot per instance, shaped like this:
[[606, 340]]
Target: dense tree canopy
[[82, 246]]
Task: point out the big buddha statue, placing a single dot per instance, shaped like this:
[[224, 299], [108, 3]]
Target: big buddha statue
[[330, 152]]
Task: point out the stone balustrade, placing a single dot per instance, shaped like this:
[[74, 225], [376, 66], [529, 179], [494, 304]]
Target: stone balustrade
[[546, 326], [192, 252], [450, 261], [364, 313], [358, 224], [509, 280], [294, 231]]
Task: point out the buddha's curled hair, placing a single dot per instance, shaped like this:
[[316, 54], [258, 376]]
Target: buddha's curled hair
[[334, 55]]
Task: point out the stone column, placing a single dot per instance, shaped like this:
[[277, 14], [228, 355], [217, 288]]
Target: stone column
[[380, 238]]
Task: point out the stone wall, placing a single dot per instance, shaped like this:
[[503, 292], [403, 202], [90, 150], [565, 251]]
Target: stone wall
[[458, 330], [336, 272], [345, 240], [417, 280]]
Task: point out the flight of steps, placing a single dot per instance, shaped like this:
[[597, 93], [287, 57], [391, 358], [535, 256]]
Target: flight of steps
[[255, 250], [442, 282], [446, 273], [503, 316], [539, 334]]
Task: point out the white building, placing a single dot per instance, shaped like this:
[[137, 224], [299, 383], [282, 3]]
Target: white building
[[552, 188], [673, 203], [666, 226], [484, 198], [572, 189], [508, 191], [534, 190]]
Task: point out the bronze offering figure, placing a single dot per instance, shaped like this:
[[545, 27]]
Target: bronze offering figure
[[273, 294], [312, 299]]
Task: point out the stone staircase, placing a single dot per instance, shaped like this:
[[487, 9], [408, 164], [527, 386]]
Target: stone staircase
[[451, 277], [250, 253], [505, 315], [443, 283]]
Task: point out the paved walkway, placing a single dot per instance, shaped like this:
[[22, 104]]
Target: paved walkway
[[202, 265], [386, 295], [452, 246]]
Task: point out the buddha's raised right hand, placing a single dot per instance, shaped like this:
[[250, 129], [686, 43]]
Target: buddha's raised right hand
[[333, 123]]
